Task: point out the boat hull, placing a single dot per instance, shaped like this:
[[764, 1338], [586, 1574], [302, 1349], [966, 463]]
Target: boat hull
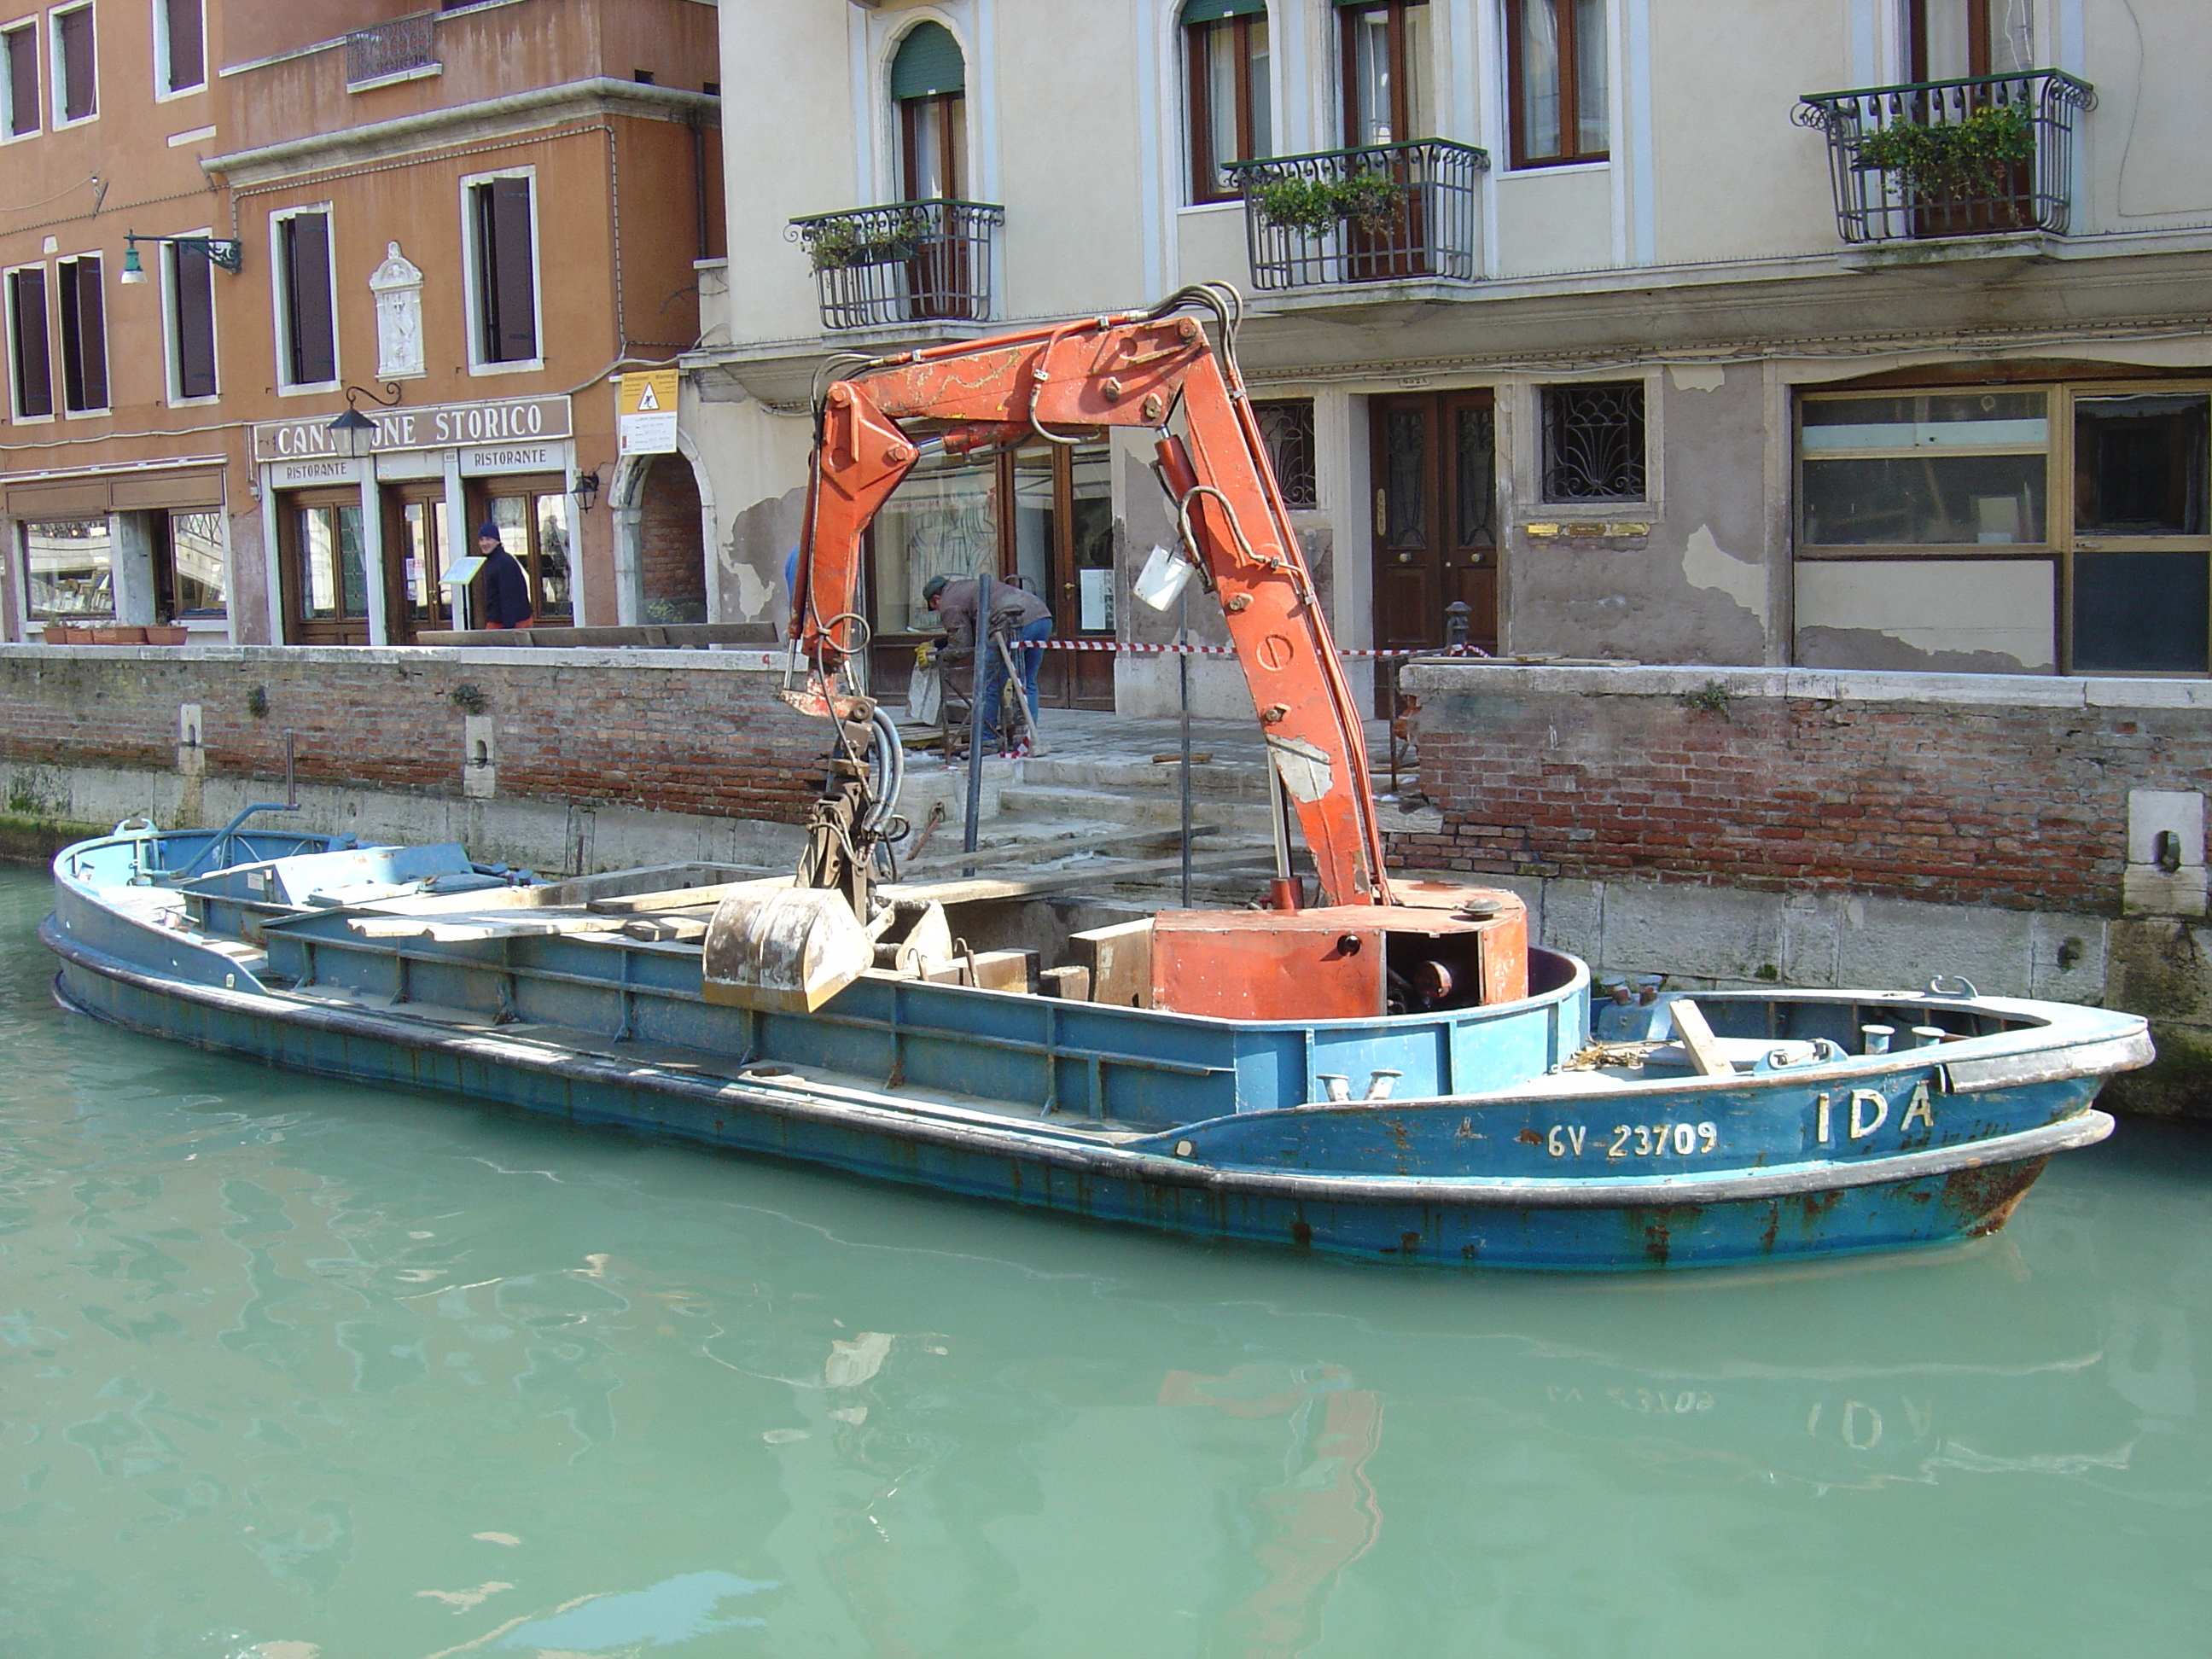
[[1565, 1222]]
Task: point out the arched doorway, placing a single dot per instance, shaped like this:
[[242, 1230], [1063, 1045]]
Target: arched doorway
[[672, 545]]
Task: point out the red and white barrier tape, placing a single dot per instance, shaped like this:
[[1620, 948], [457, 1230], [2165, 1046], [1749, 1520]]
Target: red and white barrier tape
[[1137, 648]]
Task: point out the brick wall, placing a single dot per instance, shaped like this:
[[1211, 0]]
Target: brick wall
[[681, 731], [670, 552], [1984, 789]]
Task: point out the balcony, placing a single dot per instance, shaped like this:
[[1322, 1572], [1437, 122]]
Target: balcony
[[904, 262], [401, 50], [1389, 213], [1988, 155]]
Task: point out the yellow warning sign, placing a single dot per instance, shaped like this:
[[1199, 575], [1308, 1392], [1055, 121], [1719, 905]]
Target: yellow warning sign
[[646, 406]]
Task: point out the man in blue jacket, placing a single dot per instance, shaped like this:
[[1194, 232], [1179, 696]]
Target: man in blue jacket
[[505, 584]]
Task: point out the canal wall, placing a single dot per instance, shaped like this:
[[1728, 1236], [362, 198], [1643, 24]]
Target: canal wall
[[2042, 836]]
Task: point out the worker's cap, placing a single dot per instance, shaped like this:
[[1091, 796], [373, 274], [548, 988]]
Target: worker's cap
[[933, 586], [487, 532]]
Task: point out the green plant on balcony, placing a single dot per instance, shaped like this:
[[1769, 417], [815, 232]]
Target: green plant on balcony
[[1950, 160], [845, 245], [1314, 206]]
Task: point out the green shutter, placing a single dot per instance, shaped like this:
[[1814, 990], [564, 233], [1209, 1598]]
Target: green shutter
[[1212, 11], [928, 64]]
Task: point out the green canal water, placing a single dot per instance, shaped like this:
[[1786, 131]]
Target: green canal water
[[292, 1370]]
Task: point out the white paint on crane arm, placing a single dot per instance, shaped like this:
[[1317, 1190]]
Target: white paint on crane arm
[[1306, 770]]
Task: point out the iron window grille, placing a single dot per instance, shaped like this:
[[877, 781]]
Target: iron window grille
[[1383, 213], [1984, 155], [1286, 426], [901, 263], [1594, 442], [402, 47]]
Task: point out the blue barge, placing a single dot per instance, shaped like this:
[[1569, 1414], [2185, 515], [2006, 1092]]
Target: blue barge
[[1539, 1132]]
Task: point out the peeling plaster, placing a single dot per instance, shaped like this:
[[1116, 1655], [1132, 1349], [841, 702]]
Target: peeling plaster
[[1695, 376], [1707, 564]]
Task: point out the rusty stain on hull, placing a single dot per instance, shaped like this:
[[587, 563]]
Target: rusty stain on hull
[[1982, 1200]]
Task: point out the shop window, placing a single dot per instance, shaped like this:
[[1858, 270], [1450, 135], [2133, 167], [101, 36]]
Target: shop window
[[1231, 119], [30, 358], [326, 582], [188, 300], [19, 81], [181, 50], [534, 527], [1594, 442], [1385, 68], [1555, 68], [2141, 599], [417, 527], [191, 573], [84, 335], [68, 571], [307, 304], [1286, 427], [503, 289], [76, 78], [1925, 469]]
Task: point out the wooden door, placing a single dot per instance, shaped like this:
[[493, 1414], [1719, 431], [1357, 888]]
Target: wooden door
[[415, 553], [1435, 523], [320, 568]]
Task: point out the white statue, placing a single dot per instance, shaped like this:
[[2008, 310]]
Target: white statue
[[397, 285]]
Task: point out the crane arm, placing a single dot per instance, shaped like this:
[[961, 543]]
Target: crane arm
[[1071, 381]]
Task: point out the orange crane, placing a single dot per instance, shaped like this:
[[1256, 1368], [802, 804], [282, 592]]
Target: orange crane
[[1155, 369]]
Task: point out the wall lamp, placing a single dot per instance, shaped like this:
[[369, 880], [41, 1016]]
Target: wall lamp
[[225, 251], [585, 490], [353, 435]]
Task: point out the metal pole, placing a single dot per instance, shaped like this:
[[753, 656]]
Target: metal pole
[[976, 661], [1182, 692]]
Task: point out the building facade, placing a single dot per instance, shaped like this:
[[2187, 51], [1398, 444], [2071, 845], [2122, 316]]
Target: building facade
[[228, 222], [1826, 334]]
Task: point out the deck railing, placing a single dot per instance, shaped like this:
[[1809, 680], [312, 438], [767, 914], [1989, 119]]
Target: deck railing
[[399, 47], [903, 262], [1383, 213], [1979, 157]]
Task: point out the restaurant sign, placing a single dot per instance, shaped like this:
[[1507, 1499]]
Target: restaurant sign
[[437, 426]]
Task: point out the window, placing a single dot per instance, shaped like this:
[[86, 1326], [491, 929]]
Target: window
[[84, 335], [1287, 427], [504, 293], [325, 584], [19, 81], [69, 575], [1226, 45], [308, 347], [1385, 64], [180, 47], [2058, 524], [534, 525], [191, 575], [929, 84], [30, 359], [1951, 39], [188, 301], [76, 79], [1555, 61], [1594, 442]]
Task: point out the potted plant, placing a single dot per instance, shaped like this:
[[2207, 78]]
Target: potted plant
[[1965, 175], [1368, 201], [168, 634], [839, 244]]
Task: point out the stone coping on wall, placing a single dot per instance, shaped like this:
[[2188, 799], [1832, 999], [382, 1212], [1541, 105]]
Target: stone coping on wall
[[1448, 677], [713, 660]]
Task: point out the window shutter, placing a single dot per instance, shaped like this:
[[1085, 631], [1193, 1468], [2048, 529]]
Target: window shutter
[[34, 369], [22, 48], [509, 287], [84, 336], [928, 64], [1212, 11], [79, 74], [307, 298], [187, 64], [192, 295]]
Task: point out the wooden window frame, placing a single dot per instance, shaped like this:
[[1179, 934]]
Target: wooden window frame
[[15, 36], [1979, 55], [184, 325], [1205, 165], [19, 337], [1570, 125], [292, 319], [400, 622], [1401, 108], [948, 112], [531, 486], [65, 83], [299, 627]]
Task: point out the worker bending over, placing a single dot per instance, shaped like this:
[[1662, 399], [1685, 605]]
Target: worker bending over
[[1015, 613]]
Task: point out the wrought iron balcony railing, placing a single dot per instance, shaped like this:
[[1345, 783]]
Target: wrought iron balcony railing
[[904, 262], [399, 47], [1385, 213], [1980, 157]]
